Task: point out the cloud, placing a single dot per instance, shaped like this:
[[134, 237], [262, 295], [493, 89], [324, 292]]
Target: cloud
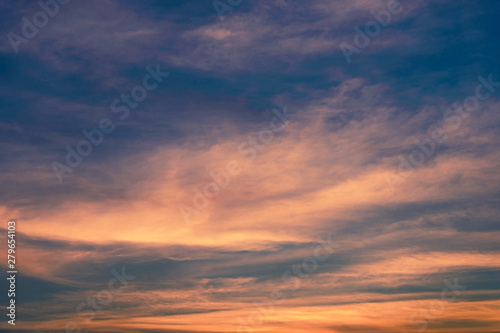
[[324, 174]]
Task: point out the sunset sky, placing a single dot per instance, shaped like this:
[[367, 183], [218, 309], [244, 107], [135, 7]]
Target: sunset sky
[[188, 166]]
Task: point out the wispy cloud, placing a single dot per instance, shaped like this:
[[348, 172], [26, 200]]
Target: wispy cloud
[[324, 175]]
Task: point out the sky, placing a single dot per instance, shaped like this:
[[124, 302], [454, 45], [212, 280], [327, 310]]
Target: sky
[[251, 166]]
